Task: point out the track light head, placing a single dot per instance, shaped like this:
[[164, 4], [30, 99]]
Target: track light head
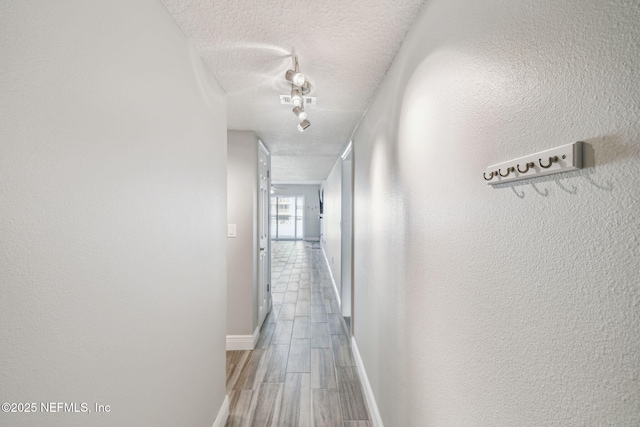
[[303, 125], [306, 88], [300, 113], [296, 96], [295, 77]]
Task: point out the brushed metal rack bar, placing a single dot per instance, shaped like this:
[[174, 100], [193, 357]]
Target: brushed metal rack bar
[[560, 159]]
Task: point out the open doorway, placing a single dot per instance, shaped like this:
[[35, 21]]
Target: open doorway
[[264, 256], [287, 217], [337, 232], [346, 240]]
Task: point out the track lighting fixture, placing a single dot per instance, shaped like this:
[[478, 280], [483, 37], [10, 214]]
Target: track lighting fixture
[[303, 125], [300, 113], [300, 87]]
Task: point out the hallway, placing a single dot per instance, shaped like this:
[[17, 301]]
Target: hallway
[[302, 372]]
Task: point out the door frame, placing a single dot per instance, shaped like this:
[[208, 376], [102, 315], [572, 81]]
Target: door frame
[[264, 227], [348, 155]]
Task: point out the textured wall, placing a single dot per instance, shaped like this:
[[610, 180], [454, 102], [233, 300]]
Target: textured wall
[[331, 232], [112, 220], [242, 251], [504, 306]]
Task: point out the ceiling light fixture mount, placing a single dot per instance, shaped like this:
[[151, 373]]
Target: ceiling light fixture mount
[[308, 100], [300, 87]]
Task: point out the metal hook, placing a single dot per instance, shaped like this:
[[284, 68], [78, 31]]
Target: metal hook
[[552, 160], [528, 165], [491, 175], [509, 170]]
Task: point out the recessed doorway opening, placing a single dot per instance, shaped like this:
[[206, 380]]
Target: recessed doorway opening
[[287, 217]]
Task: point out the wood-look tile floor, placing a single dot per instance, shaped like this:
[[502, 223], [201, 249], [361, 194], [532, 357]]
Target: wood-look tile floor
[[302, 372]]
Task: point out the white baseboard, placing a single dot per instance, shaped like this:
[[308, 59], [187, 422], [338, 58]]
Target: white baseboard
[[366, 386], [223, 413], [243, 342], [335, 287]]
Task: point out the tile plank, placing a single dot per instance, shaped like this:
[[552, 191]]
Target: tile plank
[[318, 313], [331, 306], [287, 312], [272, 316], [351, 396], [247, 377], [302, 308], [324, 405], [342, 351], [320, 337], [305, 402], [295, 407], [316, 298], [323, 373], [301, 327], [235, 357], [239, 407], [335, 324], [328, 293], [304, 294], [304, 285], [265, 404], [299, 356], [235, 363], [277, 297], [282, 332], [266, 333], [290, 297], [273, 365]]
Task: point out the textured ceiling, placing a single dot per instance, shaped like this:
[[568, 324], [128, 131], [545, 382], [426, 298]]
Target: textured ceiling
[[344, 48]]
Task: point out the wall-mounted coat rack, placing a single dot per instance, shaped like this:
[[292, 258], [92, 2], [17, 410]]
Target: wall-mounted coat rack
[[555, 160]]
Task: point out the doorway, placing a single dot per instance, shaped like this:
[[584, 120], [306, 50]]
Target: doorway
[[264, 255], [287, 217], [346, 238]]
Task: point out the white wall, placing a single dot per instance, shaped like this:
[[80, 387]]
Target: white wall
[[331, 229], [311, 205], [113, 190], [242, 251], [515, 305]]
